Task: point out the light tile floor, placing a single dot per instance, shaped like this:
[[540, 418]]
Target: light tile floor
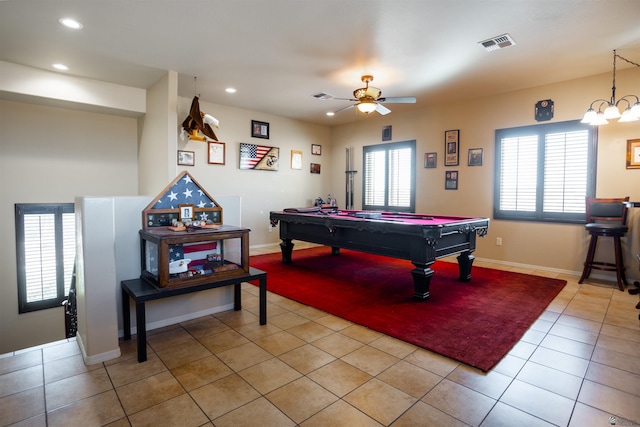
[[578, 365]]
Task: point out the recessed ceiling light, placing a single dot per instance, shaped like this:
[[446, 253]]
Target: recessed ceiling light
[[330, 113], [61, 67], [230, 90], [70, 23]]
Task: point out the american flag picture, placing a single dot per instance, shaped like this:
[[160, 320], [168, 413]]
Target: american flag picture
[[196, 252], [259, 157]]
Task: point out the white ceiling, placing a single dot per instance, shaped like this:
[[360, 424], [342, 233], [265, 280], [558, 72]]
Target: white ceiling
[[278, 53]]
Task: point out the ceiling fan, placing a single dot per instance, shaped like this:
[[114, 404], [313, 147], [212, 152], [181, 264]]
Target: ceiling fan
[[369, 99]]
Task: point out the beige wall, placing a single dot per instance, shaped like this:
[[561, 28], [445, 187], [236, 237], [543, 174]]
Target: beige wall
[[51, 155], [555, 246], [54, 154], [261, 191]]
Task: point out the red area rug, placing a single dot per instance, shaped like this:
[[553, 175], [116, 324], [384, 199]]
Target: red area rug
[[475, 323]]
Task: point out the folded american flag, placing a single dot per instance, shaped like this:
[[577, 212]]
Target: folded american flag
[[196, 252]]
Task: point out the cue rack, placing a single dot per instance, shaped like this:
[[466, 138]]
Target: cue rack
[[349, 173]]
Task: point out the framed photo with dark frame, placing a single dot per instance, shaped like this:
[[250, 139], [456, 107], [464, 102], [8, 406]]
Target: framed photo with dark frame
[[216, 153], [452, 147], [451, 180], [475, 157], [314, 168], [186, 158], [633, 154], [316, 149], [430, 160], [386, 133], [259, 129]]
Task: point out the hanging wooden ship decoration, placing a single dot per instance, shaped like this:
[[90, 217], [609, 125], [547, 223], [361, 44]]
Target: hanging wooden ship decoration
[[183, 204]]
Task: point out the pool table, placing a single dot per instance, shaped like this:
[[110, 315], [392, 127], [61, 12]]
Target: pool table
[[418, 238]]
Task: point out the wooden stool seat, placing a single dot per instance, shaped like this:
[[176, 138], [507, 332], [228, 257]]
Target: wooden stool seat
[[612, 214]]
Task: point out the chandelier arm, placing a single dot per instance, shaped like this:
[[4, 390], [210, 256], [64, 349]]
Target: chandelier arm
[[601, 101], [628, 96]]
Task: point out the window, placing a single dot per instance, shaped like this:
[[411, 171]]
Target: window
[[389, 177], [45, 253], [544, 172]]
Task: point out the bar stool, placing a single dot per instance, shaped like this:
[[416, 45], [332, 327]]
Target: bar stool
[[606, 218]]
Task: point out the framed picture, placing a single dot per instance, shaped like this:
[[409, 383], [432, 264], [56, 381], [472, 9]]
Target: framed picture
[[386, 133], [186, 158], [451, 180], [216, 153], [316, 149], [314, 168], [475, 156], [259, 129], [185, 212], [452, 147], [430, 160], [633, 154], [296, 159], [259, 157]]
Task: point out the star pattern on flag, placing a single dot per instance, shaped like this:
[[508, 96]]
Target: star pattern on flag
[[184, 191]]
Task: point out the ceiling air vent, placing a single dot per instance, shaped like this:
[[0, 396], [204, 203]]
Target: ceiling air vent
[[322, 95], [497, 42]]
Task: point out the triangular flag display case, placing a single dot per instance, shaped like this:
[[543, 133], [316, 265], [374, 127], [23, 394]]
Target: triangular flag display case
[[182, 193]]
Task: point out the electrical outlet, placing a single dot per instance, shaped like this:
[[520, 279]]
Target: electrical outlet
[[498, 241]]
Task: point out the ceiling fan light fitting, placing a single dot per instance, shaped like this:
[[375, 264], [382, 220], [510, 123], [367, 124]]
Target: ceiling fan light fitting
[[366, 107]]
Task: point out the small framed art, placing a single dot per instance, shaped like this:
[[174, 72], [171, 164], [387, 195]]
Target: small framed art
[[451, 180], [314, 168], [430, 160], [452, 147], [185, 213], [186, 158], [316, 149], [475, 157], [386, 133], [296, 159], [216, 153], [259, 129], [633, 154]]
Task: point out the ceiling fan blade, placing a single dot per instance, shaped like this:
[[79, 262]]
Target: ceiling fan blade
[[345, 108], [382, 109], [399, 100], [346, 99]]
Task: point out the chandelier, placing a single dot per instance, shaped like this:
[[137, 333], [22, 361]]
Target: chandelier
[[608, 109]]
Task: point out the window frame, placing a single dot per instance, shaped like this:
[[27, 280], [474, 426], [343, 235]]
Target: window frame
[[540, 130], [387, 148], [57, 209]]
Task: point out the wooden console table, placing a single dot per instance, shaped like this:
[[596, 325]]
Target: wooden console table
[[141, 291]]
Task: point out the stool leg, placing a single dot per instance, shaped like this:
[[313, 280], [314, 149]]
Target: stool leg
[[590, 254], [621, 278]]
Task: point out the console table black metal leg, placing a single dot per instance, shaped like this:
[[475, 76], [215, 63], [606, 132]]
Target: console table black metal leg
[[141, 324], [237, 296], [126, 316], [263, 300]]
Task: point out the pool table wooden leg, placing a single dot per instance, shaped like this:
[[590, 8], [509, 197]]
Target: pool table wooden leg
[[287, 247], [465, 261], [421, 280]]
